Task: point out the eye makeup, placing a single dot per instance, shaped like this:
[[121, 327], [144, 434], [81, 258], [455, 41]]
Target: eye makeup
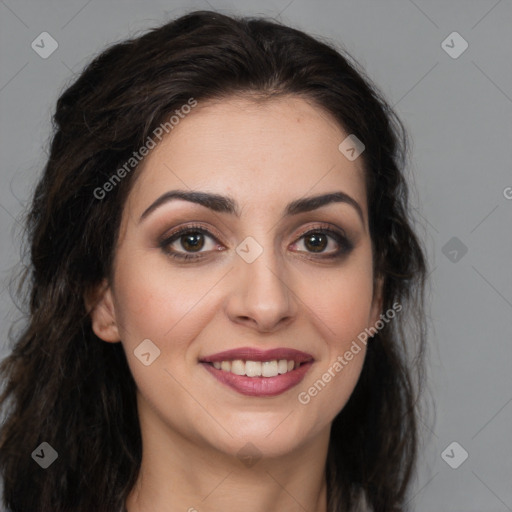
[[317, 236]]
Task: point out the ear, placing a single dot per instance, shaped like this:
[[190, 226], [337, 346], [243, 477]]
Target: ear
[[100, 305], [377, 300]]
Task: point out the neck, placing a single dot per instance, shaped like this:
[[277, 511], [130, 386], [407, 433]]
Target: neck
[[182, 474]]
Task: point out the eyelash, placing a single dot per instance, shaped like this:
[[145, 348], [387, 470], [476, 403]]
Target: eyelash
[[345, 244]]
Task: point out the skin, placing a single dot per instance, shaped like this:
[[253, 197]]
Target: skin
[[264, 155]]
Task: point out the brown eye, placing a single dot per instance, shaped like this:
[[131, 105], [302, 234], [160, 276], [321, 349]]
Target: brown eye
[[193, 241], [316, 242], [183, 243], [324, 242]]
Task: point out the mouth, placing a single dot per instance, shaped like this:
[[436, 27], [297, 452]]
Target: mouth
[[259, 373]]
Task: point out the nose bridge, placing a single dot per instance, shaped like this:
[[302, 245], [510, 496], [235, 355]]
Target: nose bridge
[[262, 293], [266, 269]]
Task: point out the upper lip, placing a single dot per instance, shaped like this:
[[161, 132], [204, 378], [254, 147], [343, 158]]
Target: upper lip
[[254, 354]]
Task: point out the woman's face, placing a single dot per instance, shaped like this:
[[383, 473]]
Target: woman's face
[[268, 269]]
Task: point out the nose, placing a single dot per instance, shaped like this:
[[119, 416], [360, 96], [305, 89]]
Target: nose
[[261, 295]]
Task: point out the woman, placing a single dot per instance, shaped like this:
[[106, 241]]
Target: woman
[[222, 269]]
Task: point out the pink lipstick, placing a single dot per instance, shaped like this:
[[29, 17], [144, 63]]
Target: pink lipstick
[[255, 372]]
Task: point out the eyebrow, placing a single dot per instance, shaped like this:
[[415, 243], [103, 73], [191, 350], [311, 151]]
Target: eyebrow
[[226, 204]]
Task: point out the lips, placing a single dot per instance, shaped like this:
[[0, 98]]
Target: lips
[[254, 372]]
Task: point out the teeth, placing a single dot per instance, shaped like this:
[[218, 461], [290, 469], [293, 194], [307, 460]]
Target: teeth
[[238, 367], [253, 368], [269, 369], [257, 368]]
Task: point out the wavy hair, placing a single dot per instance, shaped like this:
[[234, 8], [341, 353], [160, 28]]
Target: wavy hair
[[65, 386]]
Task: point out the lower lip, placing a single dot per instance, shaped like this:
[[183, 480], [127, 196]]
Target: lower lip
[[260, 386]]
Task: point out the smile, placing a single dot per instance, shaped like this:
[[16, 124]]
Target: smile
[[254, 372], [257, 368]]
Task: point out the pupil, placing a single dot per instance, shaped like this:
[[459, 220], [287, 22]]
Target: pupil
[[193, 241], [318, 241]]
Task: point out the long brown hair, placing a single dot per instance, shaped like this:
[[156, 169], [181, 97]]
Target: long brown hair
[[66, 387]]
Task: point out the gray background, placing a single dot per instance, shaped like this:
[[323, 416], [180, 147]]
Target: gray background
[[458, 113]]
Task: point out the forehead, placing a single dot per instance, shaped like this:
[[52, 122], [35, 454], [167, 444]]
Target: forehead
[[264, 153]]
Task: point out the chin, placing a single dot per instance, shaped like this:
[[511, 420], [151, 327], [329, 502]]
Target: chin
[[276, 437]]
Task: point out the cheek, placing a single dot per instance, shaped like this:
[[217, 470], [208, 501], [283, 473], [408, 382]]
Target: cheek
[[342, 305], [342, 300], [154, 301]]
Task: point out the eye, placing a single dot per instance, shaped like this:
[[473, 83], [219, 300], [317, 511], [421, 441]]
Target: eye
[[188, 239], [325, 242], [190, 242]]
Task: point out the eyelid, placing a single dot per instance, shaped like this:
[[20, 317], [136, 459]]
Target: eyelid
[[209, 231], [344, 242], [323, 226]]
